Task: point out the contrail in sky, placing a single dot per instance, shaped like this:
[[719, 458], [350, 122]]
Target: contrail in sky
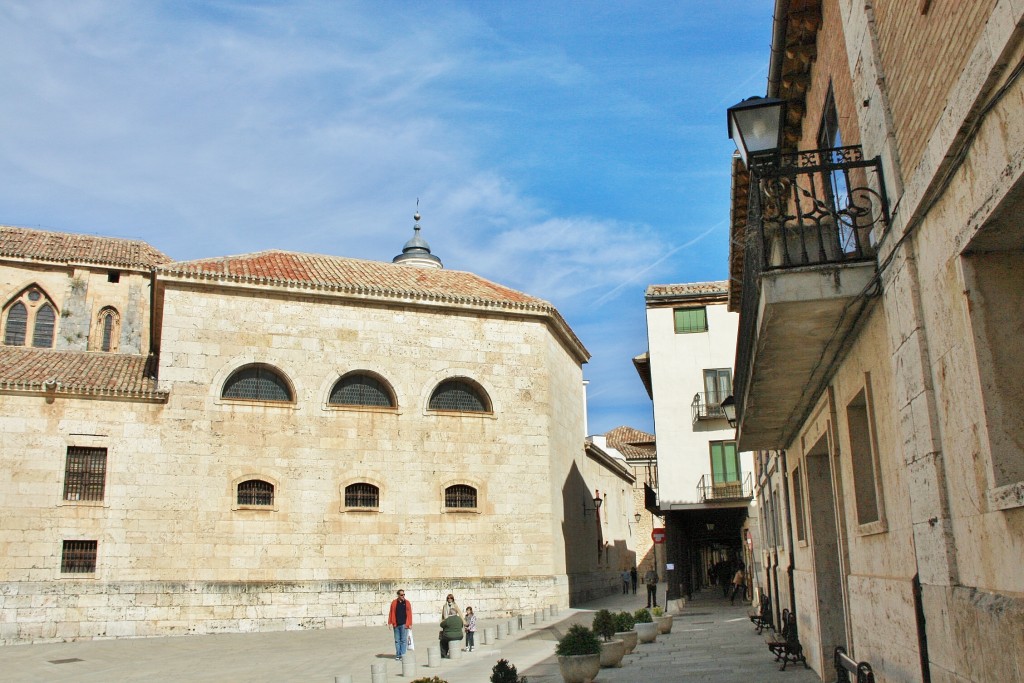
[[633, 277]]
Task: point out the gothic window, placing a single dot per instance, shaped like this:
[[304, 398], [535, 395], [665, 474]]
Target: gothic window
[[361, 389], [109, 323], [459, 396], [257, 383], [256, 492], [30, 319]]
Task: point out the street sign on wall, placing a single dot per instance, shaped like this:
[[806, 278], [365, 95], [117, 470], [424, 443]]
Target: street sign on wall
[[658, 535]]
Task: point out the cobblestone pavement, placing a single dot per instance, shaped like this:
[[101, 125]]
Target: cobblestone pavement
[[711, 641]]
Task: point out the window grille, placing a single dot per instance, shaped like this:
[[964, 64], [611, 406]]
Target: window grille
[[362, 496], [42, 331], [256, 492], [459, 396], [361, 390], [85, 473], [108, 327], [17, 325], [78, 557], [460, 496], [257, 383]]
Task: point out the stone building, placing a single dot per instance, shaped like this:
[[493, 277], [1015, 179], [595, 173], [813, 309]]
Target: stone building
[[705, 486], [280, 440], [880, 285]]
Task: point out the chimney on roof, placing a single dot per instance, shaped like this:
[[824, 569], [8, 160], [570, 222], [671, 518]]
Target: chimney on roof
[[416, 251]]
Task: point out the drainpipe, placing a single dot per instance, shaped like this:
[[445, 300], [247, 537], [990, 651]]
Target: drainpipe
[[778, 47]]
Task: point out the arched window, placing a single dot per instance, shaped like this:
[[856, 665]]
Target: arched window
[[257, 383], [17, 325], [256, 492], [360, 389], [42, 331], [110, 325], [460, 497], [459, 396], [362, 495], [31, 311]]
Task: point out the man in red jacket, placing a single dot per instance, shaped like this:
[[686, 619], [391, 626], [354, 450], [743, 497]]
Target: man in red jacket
[[400, 620]]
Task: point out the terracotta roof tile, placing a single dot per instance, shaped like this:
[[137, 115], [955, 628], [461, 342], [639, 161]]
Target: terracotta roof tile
[[65, 247], [77, 372], [689, 289], [632, 443]]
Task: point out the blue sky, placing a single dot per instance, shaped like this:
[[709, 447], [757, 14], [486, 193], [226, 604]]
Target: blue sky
[[576, 151]]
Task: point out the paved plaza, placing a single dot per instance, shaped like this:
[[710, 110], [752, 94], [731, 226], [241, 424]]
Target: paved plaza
[[711, 641]]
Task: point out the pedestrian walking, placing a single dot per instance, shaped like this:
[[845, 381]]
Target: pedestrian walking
[[470, 629], [739, 582], [625, 582], [633, 576], [400, 621], [651, 580]]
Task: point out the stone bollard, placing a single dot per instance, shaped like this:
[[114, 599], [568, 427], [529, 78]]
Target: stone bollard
[[554, 610], [481, 636], [434, 656], [533, 618], [517, 624], [499, 632], [540, 615], [409, 665], [344, 678], [379, 672], [507, 627], [455, 649]]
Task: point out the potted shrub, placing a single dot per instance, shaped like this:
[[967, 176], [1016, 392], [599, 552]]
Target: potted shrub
[[624, 630], [664, 621], [579, 655], [646, 629], [432, 679], [503, 672], [612, 651]]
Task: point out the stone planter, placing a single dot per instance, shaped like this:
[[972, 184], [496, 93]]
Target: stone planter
[[579, 668], [647, 633], [612, 652], [664, 623], [629, 640]]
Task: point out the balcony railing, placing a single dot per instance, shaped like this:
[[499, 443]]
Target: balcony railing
[[703, 409], [710, 490], [805, 209]]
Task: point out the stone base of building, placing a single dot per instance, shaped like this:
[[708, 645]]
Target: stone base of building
[[588, 586], [84, 610]]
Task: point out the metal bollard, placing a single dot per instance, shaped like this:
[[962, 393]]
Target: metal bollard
[[434, 656], [344, 678], [379, 672]]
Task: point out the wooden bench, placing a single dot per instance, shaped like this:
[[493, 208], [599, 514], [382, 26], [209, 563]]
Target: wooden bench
[[785, 644], [763, 619], [846, 666]]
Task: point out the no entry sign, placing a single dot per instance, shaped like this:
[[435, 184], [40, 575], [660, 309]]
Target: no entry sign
[[658, 535]]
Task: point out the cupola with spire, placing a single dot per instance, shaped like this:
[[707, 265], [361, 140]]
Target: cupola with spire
[[416, 251]]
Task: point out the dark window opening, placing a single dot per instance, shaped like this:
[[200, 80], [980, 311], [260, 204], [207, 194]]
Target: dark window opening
[[17, 325], [85, 473], [78, 557], [256, 492], [460, 496], [257, 383], [113, 276], [458, 396], [362, 496], [361, 390]]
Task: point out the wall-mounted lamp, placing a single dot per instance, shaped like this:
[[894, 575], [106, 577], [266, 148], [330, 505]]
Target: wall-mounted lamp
[[637, 517], [755, 125], [597, 504], [729, 408]]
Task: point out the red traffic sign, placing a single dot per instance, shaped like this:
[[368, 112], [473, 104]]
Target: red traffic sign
[[658, 535]]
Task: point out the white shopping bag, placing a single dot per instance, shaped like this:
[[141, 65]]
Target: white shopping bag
[[412, 644]]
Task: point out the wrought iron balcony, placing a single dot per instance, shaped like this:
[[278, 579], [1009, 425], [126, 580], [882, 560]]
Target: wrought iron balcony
[[710, 490], [703, 409], [808, 252]]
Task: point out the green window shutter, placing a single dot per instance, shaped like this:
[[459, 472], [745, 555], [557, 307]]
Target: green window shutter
[[725, 462], [717, 462], [732, 461], [690, 320]]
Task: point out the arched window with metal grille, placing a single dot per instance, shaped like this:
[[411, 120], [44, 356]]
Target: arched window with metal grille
[[30, 318], [16, 327], [460, 497], [257, 383], [361, 389], [362, 495], [42, 331], [256, 492], [459, 395], [109, 324]]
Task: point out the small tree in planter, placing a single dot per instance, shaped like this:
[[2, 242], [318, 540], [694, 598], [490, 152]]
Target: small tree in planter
[[657, 612], [579, 654], [503, 672], [604, 624], [432, 679], [624, 623], [642, 616]]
